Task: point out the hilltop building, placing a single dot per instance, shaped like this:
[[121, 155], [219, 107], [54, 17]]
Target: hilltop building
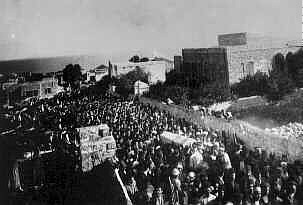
[[203, 68], [99, 72], [140, 87], [157, 67], [44, 88], [10, 82], [96, 74], [248, 53]]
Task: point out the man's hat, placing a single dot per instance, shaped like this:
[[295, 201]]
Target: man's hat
[[175, 172], [292, 182], [159, 190], [191, 174]]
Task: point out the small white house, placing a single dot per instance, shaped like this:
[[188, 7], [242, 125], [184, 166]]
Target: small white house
[[96, 74], [140, 87]]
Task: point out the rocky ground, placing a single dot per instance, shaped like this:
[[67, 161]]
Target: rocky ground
[[290, 130]]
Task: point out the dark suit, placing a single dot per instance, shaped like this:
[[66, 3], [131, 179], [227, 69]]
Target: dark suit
[[230, 188]]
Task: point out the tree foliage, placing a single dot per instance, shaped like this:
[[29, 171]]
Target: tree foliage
[[126, 82], [174, 78], [274, 86], [102, 86], [137, 74], [294, 63], [134, 59], [144, 59], [278, 63], [72, 75], [251, 85], [162, 92], [137, 59], [279, 84]]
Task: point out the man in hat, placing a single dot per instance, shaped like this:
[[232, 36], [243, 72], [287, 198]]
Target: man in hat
[[289, 198], [143, 195], [158, 197], [189, 186], [249, 195], [131, 186], [195, 159], [266, 191], [182, 176], [172, 189], [230, 185], [224, 158], [257, 196], [208, 198]]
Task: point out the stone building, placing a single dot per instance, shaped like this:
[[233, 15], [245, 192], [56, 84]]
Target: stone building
[[156, 67], [96, 74], [177, 63], [248, 53], [203, 68], [47, 87]]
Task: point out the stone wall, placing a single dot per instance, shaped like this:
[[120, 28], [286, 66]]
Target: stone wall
[[232, 39], [254, 55], [177, 63], [206, 68], [239, 60], [156, 69]]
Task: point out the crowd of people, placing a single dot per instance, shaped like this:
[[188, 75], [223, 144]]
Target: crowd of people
[[223, 114], [216, 169]]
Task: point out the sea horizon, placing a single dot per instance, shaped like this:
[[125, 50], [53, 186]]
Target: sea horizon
[[53, 63]]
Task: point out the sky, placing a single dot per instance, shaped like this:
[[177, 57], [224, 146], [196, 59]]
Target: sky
[[45, 28]]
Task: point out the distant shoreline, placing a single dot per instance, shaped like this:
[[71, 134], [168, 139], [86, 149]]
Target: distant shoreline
[[49, 64]]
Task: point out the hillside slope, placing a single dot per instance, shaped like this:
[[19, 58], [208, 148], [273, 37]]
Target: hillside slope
[[251, 135]]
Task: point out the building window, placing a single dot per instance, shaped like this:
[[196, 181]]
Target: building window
[[47, 90], [250, 70], [31, 93], [243, 70], [92, 78], [36, 92]]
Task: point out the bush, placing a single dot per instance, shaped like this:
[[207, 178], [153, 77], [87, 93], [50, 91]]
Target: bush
[[156, 91], [137, 59], [279, 84], [72, 76], [274, 86], [134, 59], [294, 63], [162, 92], [251, 85], [144, 59]]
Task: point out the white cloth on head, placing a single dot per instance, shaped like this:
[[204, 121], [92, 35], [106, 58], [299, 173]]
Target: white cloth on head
[[195, 160], [226, 161]]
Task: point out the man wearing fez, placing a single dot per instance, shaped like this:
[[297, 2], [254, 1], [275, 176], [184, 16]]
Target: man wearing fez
[[289, 198], [172, 188], [224, 159], [230, 185]]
